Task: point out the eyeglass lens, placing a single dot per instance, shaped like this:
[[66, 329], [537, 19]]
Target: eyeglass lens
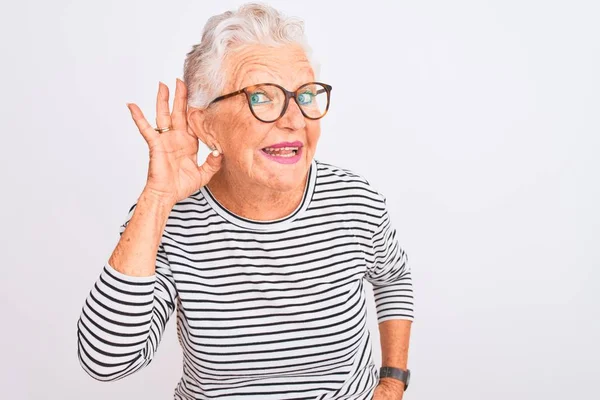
[[267, 101]]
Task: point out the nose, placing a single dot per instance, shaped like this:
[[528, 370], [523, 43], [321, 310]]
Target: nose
[[293, 118]]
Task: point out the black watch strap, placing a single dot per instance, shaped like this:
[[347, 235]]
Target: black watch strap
[[396, 373]]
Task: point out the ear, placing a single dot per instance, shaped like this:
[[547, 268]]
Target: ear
[[199, 125]]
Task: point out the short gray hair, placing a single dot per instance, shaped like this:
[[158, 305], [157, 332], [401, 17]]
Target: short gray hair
[[252, 23]]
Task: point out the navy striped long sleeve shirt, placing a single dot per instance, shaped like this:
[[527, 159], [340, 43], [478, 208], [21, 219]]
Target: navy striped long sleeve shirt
[[265, 309]]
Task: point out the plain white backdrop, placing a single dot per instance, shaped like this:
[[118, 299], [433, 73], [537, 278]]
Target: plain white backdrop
[[479, 121]]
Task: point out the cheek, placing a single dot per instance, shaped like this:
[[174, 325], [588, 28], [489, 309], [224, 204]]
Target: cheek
[[244, 136], [313, 133], [233, 130]]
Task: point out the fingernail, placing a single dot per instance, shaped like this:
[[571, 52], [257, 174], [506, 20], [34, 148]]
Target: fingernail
[[215, 153]]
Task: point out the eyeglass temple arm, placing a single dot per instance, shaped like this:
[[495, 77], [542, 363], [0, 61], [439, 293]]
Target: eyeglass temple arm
[[225, 96]]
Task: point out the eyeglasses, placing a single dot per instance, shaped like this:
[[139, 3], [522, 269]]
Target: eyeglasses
[[269, 101]]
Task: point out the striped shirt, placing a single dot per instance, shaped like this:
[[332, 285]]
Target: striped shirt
[[265, 309]]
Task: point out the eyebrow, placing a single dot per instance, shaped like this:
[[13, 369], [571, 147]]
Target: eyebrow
[[276, 79], [262, 71], [295, 87]]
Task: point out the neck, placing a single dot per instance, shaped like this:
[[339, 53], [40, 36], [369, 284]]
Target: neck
[[254, 202]]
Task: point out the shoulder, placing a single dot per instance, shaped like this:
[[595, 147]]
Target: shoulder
[[335, 177]]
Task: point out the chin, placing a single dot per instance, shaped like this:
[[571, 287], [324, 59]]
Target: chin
[[282, 182], [281, 179], [280, 175]]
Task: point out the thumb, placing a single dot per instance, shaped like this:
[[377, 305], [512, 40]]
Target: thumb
[[210, 167]]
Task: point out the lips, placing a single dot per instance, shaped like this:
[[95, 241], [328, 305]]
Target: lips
[[283, 149], [284, 152]]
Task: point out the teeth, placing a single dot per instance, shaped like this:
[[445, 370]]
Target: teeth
[[290, 151], [286, 155], [281, 148]]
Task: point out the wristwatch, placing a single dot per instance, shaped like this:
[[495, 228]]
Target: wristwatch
[[397, 373]]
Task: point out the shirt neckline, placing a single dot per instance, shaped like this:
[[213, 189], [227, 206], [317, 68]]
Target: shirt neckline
[[248, 223]]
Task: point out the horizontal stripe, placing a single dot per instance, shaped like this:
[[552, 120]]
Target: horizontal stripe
[[265, 309]]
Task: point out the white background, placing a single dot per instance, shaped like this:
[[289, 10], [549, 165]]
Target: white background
[[479, 120]]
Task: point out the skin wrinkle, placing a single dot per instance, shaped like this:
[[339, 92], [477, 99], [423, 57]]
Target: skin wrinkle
[[249, 184]]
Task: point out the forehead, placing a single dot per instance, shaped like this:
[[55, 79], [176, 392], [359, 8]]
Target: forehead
[[286, 65]]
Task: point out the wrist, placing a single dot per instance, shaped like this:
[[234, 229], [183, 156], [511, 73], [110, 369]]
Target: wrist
[[390, 390], [397, 378], [392, 383], [158, 199]]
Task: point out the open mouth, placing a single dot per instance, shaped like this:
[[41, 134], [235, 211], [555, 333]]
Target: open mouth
[[284, 152]]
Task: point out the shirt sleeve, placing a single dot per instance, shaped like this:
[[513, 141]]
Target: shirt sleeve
[[389, 272], [123, 319]]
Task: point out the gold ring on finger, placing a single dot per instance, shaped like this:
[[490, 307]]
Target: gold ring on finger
[[162, 130]]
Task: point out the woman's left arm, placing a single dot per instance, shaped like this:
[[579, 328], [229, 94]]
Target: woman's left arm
[[394, 335], [390, 275]]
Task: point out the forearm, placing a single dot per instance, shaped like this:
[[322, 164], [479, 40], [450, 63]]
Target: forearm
[[125, 314], [114, 325], [135, 253], [394, 337]]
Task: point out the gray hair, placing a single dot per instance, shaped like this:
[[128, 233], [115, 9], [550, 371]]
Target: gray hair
[[252, 23]]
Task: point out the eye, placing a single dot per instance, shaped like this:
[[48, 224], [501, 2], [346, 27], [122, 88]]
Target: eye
[[306, 97], [259, 98]]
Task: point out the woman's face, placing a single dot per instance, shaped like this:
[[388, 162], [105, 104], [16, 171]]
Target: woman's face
[[242, 138]]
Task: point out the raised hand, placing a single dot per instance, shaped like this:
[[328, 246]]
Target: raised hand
[[173, 173]]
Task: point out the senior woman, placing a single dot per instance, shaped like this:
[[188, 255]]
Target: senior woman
[[262, 249]]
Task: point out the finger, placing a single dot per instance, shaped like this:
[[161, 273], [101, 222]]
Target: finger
[[178, 117], [209, 168], [145, 128], [163, 116]]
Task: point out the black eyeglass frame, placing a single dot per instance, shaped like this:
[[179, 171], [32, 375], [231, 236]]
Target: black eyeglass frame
[[287, 93]]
